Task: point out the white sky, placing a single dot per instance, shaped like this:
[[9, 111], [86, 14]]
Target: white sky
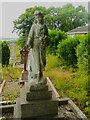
[[9, 11]]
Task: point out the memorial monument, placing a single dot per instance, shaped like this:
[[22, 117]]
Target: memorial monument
[[24, 56], [36, 101], [38, 40]]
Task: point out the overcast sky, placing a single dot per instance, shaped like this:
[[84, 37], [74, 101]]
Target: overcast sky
[[10, 11]]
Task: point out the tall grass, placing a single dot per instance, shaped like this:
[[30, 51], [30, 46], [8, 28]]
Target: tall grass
[[68, 83], [51, 62], [11, 73]]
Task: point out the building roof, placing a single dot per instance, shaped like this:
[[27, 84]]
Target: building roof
[[80, 30]]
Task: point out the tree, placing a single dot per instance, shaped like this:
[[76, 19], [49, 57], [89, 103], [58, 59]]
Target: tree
[[66, 18], [23, 24], [71, 17], [80, 17], [5, 53]]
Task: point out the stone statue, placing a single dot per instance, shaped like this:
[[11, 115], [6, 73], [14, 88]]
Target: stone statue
[[37, 41]]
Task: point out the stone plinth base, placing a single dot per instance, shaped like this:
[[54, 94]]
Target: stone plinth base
[[39, 95], [36, 102], [39, 108]]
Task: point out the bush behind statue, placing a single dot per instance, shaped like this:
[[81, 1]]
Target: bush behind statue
[[67, 50], [56, 36], [5, 53], [83, 55]]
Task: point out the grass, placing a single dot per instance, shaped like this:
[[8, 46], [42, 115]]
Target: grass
[[68, 82], [52, 62], [68, 86], [11, 91], [17, 51], [11, 73]]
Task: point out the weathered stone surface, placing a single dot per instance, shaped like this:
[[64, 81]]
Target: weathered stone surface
[[36, 102], [24, 75], [39, 87], [39, 108], [39, 95], [17, 109]]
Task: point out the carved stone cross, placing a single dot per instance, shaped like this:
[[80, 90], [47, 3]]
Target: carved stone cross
[[24, 52]]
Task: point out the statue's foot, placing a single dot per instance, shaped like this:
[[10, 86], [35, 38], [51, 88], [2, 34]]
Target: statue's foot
[[42, 81], [33, 81]]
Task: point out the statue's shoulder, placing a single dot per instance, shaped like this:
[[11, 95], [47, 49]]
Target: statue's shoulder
[[33, 25]]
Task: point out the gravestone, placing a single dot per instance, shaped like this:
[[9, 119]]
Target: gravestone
[[24, 53]]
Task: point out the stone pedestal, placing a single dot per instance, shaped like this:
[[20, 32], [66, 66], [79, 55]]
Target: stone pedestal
[[36, 102], [24, 77]]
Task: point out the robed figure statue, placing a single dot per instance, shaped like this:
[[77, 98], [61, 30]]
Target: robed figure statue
[[38, 40]]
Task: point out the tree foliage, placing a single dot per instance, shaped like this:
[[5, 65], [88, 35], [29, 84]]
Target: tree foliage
[[67, 50], [82, 53], [5, 53], [55, 38], [22, 41], [83, 57], [66, 18], [23, 24]]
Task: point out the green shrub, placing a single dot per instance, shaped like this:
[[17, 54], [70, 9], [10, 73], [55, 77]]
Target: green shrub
[[55, 38], [66, 50], [5, 53], [83, 55]]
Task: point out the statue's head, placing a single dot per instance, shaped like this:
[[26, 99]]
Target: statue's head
[[38, 13], [38, 16]]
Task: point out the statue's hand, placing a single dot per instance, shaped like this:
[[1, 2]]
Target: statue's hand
[[26, 47]]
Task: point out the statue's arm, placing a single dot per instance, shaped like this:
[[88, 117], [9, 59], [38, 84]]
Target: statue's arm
[[30, 37], [46, 29], [47, 38]]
